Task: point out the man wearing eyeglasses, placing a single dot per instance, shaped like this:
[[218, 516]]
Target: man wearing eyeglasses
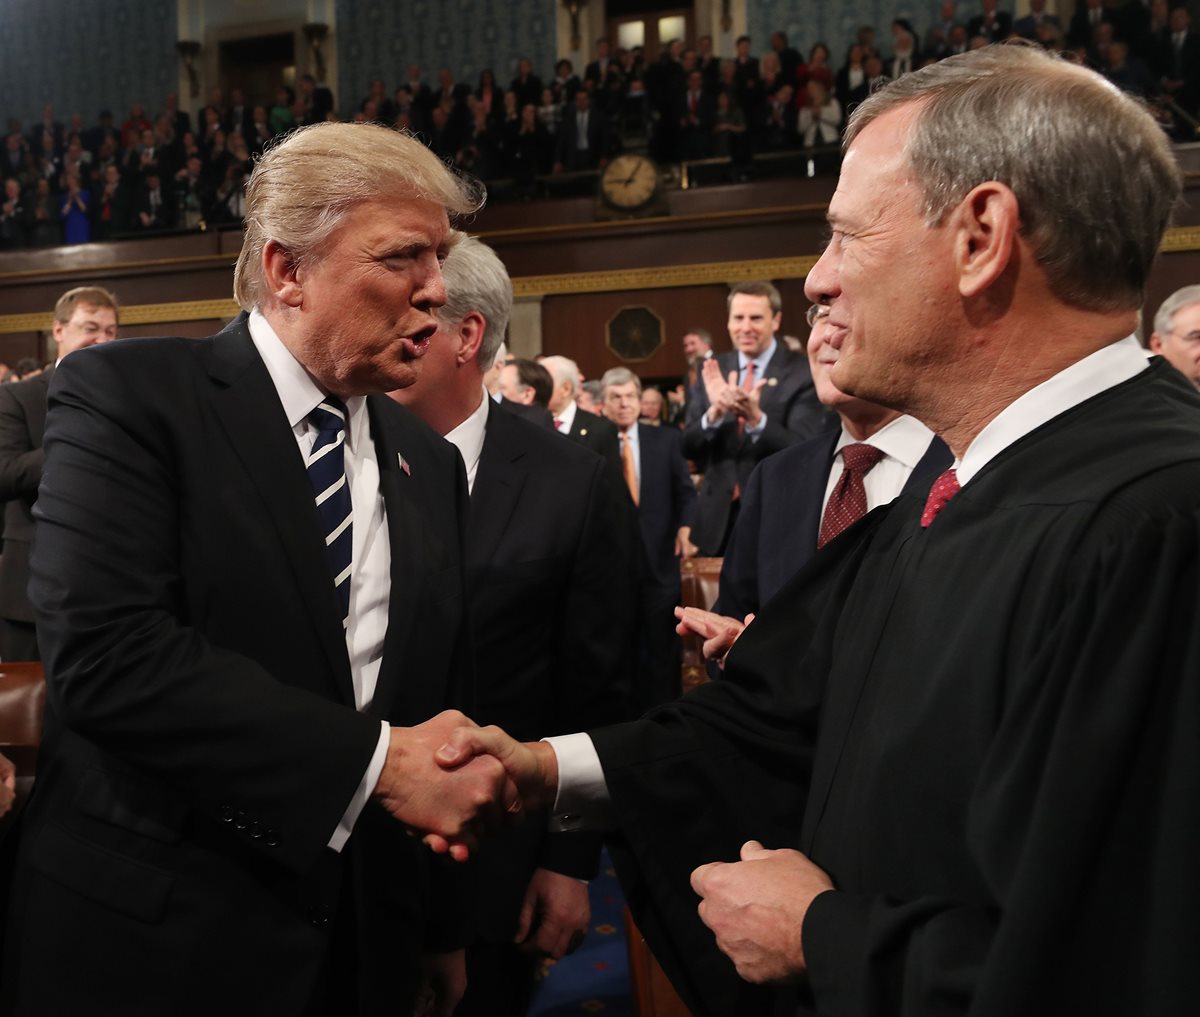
[[803, 497], [1176, 335]]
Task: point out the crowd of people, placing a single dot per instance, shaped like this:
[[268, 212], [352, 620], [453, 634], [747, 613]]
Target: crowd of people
[[73, 183], [952, 747]]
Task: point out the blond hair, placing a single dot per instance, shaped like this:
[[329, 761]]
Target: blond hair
[[304, 186]]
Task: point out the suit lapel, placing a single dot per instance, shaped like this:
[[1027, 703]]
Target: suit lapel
[[248, 407], [397, 691], [497, 489]]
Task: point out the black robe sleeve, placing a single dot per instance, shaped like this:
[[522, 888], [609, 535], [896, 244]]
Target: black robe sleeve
[[1083, 822]]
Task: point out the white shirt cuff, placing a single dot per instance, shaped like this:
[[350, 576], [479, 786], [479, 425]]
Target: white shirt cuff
[[582, 802], [365, 787], [757, 429]]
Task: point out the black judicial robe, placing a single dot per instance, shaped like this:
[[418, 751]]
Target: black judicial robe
[[987, 732]]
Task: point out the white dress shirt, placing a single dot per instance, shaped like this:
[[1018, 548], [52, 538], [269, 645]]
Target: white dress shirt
[[902, 443], [565, 420], [468, 438], [583, 801], [370, 577]]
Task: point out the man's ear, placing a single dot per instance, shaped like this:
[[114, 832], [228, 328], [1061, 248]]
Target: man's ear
[[281, 274], [986, 225], [470, 336], [1156, 343]]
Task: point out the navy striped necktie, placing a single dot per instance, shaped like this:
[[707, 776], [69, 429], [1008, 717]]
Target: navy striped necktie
[[327, 472]]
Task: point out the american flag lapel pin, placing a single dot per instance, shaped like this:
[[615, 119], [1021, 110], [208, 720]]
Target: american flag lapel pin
[[404, 464]]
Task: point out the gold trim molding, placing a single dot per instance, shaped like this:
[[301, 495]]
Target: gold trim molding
[[132, 314], [1179, 240], [662, 278]]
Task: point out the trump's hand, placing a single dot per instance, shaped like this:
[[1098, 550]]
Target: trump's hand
[[756, 909], [554, 915], [718, 631], [451, 803]]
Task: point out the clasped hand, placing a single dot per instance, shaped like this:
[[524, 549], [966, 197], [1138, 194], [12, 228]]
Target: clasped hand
[[727, 398], [449, 780]]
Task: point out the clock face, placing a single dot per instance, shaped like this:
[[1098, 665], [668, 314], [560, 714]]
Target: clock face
[[629, 181]]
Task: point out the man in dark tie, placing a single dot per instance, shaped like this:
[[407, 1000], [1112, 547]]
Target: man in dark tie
[[1176, 335], [587, 429], [751, 402], [248, 583], [550, 581], [953, 765], [83, 316], [800, 499]]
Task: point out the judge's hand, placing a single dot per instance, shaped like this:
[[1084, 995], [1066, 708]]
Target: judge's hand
[[8, 784], [554, 915], [684, 548], [756, 909], [443, 983], [532, 767], [450, 803], [718, 631], [721, 392]]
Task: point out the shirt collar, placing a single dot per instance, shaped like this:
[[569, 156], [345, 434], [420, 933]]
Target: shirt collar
[[761, 361], [468, 436], [633, 436], [904, 439], [298, 393], [567, 416], [1088, 377]]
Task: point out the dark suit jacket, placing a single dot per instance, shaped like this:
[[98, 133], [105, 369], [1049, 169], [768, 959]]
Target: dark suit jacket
[[599, 435], [22, 425], [793, 413], [535, 414], [776, 530], [1000, 30], [550, 575], [1027, 26], [569, 153], [666, 501], [201, 741]]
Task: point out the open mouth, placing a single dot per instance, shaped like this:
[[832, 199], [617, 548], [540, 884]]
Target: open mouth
[[417, 344]]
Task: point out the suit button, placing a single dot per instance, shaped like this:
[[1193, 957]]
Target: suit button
[[256, 831], [239, 822], [318, 915], [226, 813]]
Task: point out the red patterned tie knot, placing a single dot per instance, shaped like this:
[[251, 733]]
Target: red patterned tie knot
[[944, 488], [860, 458], [848, 501]]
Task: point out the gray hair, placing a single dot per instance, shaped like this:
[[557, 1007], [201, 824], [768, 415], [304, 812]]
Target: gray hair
[[618, 376], [305, 185], [476, 280], [1092, 172], [1164, 320], [564, 369]]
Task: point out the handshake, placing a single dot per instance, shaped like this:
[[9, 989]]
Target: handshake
[[448, 780]]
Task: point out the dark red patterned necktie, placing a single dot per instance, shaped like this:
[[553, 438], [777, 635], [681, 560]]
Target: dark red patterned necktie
[[848, 502], [944, 488]]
